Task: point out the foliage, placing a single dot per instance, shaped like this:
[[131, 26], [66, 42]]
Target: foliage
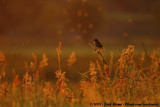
[[123, 81]]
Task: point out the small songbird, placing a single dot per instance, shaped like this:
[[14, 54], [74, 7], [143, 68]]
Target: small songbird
[[99, 49], [98, 44]]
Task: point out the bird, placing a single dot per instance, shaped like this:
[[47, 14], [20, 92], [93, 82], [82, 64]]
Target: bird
[[98, 44], [99, 49]]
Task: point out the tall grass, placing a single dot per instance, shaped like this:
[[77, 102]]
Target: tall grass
[[123, 81]]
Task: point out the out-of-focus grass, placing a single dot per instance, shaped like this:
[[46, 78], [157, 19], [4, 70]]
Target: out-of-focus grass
[[16, 58]]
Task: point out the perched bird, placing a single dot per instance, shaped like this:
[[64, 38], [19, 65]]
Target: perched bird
[[99, 49], [98, 44]]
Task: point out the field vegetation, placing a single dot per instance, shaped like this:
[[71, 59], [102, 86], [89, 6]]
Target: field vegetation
[[123, 80]]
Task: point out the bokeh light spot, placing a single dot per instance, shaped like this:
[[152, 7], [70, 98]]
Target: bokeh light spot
[[72, 30], [85, 14], [84, 31], [99, 9], [79, 25], [125, 34], [79, 13], [90, 26]]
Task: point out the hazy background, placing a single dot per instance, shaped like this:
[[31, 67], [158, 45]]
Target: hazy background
[[44, 22], [36, 26]]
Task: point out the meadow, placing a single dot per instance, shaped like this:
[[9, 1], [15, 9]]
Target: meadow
[[98, 79]]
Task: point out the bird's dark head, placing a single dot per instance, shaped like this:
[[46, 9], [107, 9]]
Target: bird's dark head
[[97, 43], [95, 40]]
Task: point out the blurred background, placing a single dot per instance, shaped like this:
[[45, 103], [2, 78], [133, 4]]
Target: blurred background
[[36, 26]]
